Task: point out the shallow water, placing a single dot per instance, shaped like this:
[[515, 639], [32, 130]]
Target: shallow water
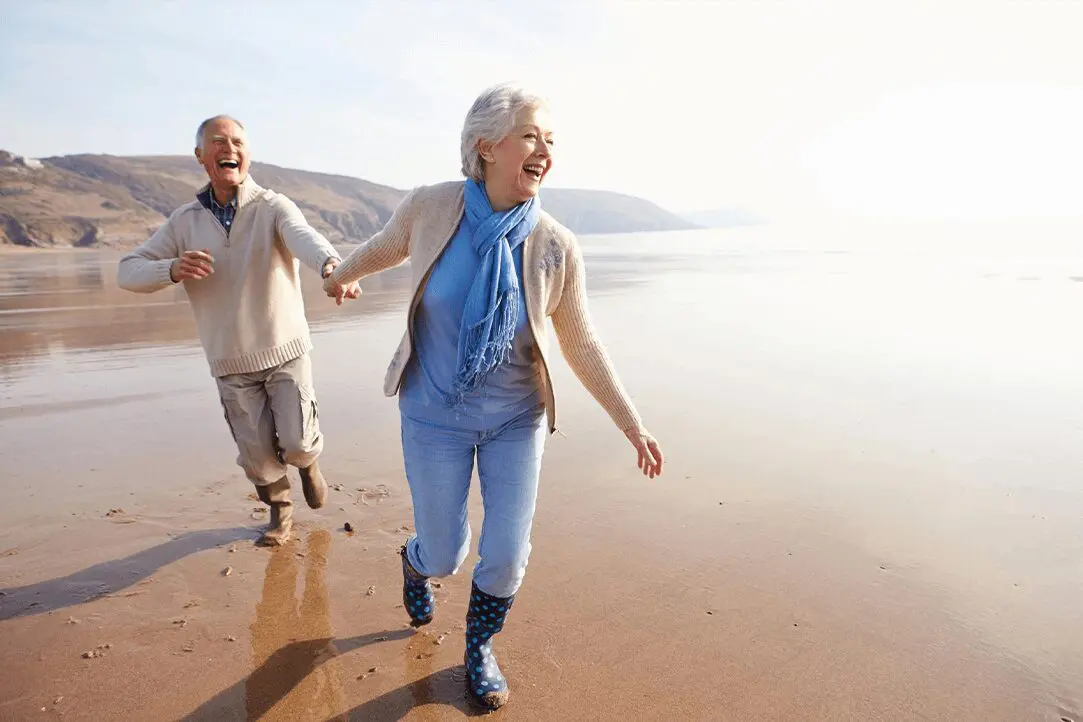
[[872, 446]]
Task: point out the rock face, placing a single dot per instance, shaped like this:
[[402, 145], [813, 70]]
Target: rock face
[[13, 232], [17, 162], [110, 201]]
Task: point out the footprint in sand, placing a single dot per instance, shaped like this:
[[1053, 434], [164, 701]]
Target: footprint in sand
[[215, 487], [376, 494]]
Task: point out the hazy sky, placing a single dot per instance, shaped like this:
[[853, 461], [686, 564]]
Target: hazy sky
[[917, 109]]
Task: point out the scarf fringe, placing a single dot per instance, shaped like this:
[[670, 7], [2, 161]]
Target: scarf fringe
[[487, 353]]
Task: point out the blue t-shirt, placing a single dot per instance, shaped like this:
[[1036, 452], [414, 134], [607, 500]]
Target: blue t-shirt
[[511, 389]]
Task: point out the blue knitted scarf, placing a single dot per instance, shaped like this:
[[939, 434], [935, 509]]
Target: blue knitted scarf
[[489, 319]]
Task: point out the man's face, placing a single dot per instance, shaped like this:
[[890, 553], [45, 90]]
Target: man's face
[[224, 154]]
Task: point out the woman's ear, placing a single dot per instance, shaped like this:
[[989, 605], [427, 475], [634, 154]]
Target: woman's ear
[[485, 150]]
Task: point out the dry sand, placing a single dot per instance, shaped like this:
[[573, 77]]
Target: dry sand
[[821, 546]]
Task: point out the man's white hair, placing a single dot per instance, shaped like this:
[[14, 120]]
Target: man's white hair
[[491, 118], [203, 127]]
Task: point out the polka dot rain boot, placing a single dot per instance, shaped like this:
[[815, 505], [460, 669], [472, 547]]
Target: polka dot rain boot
[[484, 618], [416, 593]]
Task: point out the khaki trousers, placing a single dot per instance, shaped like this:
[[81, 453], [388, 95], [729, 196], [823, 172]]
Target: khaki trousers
[[274, 419]]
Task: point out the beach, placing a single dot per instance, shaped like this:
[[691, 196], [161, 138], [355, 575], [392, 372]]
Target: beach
[[870, 507]]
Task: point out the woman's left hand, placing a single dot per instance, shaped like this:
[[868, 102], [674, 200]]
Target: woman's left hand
[[650, 455]]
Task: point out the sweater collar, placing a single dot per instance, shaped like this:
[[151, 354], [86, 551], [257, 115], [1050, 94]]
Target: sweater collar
[[247, 191]]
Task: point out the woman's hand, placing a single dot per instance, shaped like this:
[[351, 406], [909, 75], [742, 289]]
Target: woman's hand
[[650, 455], [335, 290]]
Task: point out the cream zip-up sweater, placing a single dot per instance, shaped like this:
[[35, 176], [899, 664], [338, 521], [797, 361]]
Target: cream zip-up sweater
[[249, 313], [554, 285]]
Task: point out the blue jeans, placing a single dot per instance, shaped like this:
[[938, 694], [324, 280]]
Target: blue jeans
[[439, 464]]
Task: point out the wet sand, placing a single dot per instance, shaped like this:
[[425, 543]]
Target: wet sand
[[857, 521]]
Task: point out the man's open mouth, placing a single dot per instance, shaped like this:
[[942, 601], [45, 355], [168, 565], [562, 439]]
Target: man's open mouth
[[535, 170], [229, 164]]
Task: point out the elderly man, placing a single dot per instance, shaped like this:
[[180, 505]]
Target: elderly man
[[237, 249]]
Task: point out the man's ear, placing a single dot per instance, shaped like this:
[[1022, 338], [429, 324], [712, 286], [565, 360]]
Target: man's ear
[[199, 155]]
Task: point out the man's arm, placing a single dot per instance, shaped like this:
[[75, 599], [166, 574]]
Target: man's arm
[[147, 268], [303, 241]]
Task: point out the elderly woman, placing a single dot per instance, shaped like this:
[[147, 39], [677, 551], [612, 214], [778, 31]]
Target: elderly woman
[[472, 371]]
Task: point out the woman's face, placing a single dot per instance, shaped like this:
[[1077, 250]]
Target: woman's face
[[516, 166]]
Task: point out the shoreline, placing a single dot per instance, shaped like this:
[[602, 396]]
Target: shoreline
[[804, 555]]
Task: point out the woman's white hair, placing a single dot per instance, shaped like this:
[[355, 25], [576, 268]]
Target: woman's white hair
[[491, 118]]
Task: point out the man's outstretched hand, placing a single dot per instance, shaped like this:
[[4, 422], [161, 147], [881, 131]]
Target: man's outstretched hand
[[338, 291]]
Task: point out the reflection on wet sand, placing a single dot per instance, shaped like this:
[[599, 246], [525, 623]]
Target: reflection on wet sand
[[293, 645], [291, 642], [69, 301]]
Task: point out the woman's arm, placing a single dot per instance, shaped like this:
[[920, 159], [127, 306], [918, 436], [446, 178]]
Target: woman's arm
[[589, 361], [387, 249], [584, 350]]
